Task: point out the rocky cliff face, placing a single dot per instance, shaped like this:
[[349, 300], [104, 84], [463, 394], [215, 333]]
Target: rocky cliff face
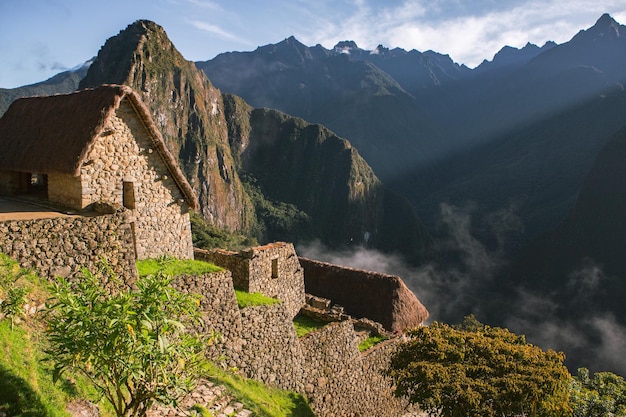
[[188, 110]]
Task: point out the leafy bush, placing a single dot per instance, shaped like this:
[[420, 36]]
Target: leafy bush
[[12, 292], [602, 395], [452, 372], [133, 345]]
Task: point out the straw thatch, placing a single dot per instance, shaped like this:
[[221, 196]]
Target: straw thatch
[[56, 133]]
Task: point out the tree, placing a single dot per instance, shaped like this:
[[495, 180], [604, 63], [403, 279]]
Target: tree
[[487, 371], [603, 395], [133, 344]]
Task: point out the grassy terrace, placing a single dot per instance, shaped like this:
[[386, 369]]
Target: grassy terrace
[[173, 267], [371, 341], [253, 299], [304, 325]]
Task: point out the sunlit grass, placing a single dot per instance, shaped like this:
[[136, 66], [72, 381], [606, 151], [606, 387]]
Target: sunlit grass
[[174, 267], [260, 399], [247, 299], [371, 341], [305, 324]]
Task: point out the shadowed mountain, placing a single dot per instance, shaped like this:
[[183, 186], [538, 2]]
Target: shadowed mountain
[[435, 131], [354, 98], [575, 273]]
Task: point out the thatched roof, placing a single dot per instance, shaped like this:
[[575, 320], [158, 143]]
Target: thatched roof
[[56, 133]]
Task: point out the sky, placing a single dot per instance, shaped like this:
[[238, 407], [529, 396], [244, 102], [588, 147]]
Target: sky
[[40, 38]]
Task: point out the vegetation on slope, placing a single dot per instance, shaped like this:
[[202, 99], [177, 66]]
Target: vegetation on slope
[[206, 236], [480, 371], [26, 380]]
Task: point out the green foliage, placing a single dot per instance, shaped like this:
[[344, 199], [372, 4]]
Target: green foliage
[[485, 372], [26, 387], [603, 395], [173, 267], [277, 220], [133, 345], [205, 236], [12, 292], [371, 341], [248, 299], [262, 400], [305, 324]]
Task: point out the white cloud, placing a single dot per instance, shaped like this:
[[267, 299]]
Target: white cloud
[[216, 30], [468, 34]]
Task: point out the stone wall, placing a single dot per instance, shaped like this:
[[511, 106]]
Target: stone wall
[[344, 382], [272, 270], [379, 297], [218, 304], [64, 245], [270, 350], [123, 170]]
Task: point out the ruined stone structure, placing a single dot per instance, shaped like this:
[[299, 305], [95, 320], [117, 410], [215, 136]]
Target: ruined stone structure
[[272, 270], [380, 297], [99, 150], [325, 366]]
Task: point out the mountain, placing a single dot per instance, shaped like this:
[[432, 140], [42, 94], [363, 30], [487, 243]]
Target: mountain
[[438, 132], [354, 98], [577, 270], [300, 181], [64, 82], [310, 168], [509, 56]]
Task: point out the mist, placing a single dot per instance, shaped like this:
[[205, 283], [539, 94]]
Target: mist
[[462, 279]]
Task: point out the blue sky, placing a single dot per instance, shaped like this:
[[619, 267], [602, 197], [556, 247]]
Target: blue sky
[[39, 38]]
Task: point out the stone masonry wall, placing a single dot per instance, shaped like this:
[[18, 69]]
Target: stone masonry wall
[[64, 245], [380, 297], [218, 304], [270, 350], [341, 381], [122, 169], [272, 270]]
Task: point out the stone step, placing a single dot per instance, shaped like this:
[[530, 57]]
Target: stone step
[[215, 398]]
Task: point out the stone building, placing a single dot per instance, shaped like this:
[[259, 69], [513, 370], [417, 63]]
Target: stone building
[[272, 270], [98, 150]]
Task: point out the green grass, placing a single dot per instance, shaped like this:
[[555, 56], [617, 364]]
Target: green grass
[[247, 299], [304, 325], [262, 400], [173, 267], [370, 341], [26, 387]]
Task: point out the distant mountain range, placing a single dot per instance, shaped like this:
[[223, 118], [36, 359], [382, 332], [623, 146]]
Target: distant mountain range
[[515, 164]]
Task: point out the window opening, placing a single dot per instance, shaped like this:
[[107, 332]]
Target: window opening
[[128, 195]]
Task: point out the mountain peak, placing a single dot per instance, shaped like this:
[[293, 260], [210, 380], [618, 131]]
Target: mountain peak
[[345, 47], [605, 27]]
